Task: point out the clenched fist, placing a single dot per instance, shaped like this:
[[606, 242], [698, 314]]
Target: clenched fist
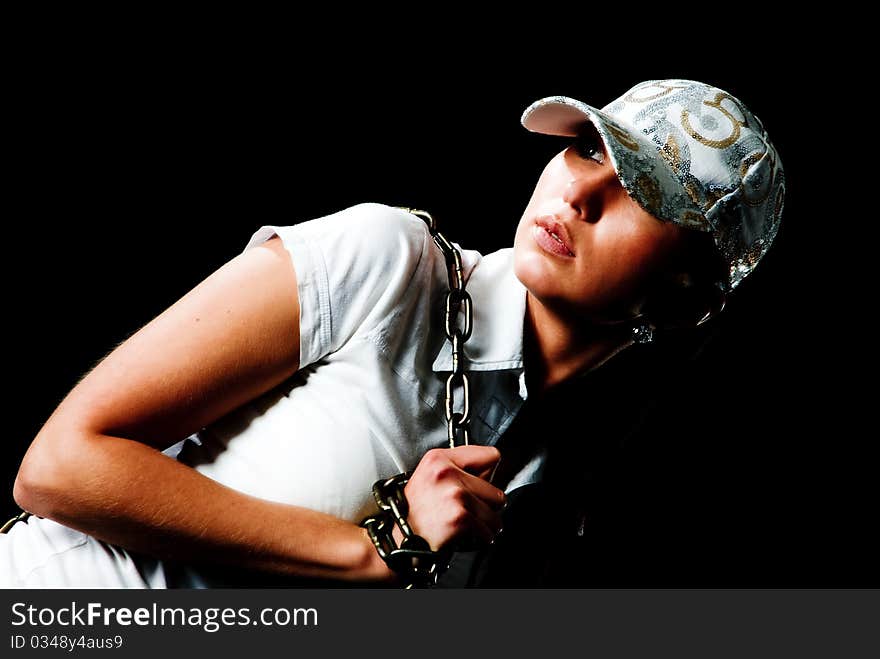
[[451, 503]]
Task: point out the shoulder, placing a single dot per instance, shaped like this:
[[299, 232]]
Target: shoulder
[[384, 216], [369, 235], [358, 267], [372, 236], [367, 220]]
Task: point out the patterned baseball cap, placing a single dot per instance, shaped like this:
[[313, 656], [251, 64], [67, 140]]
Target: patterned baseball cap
[[688, 153]]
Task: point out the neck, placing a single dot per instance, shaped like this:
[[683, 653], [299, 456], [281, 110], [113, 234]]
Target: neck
[[557, 349]]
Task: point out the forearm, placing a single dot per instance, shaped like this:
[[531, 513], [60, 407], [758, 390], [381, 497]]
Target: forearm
[[130, 495]]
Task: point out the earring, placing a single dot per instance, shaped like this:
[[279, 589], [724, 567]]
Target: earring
[[642, 333]]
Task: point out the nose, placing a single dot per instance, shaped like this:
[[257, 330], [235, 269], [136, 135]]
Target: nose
[[585, 193]]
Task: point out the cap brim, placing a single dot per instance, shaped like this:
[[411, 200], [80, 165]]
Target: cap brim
[[645, 171]]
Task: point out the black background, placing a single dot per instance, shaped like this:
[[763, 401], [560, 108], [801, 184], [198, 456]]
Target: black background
[[136, 171]]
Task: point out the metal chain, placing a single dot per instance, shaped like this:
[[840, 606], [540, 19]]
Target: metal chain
[[457, 423], [414, 558], [21, 517]]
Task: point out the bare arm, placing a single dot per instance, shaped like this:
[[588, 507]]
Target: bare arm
[[96, 464]]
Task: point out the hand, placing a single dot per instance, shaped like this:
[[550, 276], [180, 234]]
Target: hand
[[450, 501]]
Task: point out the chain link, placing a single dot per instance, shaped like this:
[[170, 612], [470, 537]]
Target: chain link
[[21, 517], [458, 300], [414, 559]]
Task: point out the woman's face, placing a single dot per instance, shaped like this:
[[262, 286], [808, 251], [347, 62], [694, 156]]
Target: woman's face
[[615, 249]]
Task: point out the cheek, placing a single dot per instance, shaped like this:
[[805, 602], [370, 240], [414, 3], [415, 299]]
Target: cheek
[[637, 255], [623, 261], [644, 239]]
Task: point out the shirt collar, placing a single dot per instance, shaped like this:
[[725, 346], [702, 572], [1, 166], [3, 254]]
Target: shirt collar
[[499, 300]]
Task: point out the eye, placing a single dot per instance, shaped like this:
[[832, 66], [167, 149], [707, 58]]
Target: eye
[[589, 147]]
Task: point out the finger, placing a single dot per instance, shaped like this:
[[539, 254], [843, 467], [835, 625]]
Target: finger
[[474, 458], [486, 516], [484, 490], [488, 474], [475, 529]]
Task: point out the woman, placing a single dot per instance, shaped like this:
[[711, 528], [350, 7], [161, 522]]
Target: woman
[[314, 363]]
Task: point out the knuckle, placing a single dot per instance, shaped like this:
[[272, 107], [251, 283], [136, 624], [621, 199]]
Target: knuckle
[[459, 497], [443, 470], [459, 518], [432, 456]]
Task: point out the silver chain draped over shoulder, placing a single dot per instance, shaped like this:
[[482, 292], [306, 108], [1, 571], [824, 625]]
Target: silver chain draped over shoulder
[[458, 300]]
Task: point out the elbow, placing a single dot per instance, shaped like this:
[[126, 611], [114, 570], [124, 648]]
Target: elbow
[[35, 492], [22, 491], [45, 478], [25, 492]]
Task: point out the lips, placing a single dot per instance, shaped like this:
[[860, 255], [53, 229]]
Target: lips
[[557, 230]]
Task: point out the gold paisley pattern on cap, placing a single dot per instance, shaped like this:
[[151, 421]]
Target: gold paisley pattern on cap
[[667, 89], [753, 253], [692, 219], [672, 153], [761, 196], [758, 198], [623, 138], [778, 203], [748, 161], [649, 191], [694, 194], [712, 196], [735, 124]]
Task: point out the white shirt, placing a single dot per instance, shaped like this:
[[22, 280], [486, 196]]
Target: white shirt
[[368, 399]]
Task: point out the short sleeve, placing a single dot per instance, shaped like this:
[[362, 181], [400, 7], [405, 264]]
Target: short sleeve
[[352, 268]]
